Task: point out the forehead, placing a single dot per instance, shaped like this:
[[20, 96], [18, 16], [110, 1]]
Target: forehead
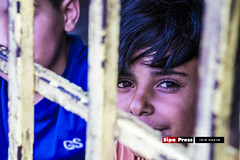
[[42, 1], [189, 68]]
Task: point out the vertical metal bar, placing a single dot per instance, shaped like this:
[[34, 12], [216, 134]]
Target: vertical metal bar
[[21, 79], [103, 57], [216, 78], [222, 107]]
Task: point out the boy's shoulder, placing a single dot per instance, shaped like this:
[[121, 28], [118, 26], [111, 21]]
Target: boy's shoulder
[[77, 64]]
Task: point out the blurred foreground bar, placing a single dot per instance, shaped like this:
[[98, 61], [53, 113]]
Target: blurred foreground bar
[[21, 79], [103, 57], [218, 52]]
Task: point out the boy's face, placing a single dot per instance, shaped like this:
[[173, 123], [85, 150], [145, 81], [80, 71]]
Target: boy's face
[[166, 102], [48, 31]]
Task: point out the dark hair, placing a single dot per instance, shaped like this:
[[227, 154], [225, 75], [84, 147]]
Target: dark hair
[[55, 3], [160, 26]]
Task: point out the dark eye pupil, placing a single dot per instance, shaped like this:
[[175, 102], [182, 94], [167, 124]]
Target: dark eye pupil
[[169, 84], [126, 84]]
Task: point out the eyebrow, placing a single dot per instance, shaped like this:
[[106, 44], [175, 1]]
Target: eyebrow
[[169, 72], [125, 73], [158, 73]]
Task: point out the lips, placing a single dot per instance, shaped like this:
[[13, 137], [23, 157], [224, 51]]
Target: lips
[[164, 130]]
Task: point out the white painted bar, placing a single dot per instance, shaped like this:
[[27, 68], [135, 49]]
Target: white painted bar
[[61, 91], [103, 57], [218, 48], [144, 140], [21, 80], [56, 89]]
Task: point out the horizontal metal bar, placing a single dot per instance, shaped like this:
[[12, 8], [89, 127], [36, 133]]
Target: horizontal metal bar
[[55, 88], [142, 139], [61, 91]]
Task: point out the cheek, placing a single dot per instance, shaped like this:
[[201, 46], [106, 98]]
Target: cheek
[[123, 101], [184, 118], [43, 32], [44, 43], [177, 110], [39, 39], [41, 45]]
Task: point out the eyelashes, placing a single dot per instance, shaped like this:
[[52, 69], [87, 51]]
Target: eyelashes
[[164, 85], [169, 84], [125, 84]]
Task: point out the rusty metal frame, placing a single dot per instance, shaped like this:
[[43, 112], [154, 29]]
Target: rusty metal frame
[[102, 129], [21, 83]]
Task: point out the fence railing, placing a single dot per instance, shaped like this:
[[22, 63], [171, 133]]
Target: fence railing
[[21, 83], [105, 122]]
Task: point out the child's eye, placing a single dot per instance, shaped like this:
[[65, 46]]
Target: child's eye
[[125, 84], [169, 85]]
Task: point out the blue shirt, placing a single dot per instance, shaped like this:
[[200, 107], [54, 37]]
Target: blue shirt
[[58, 134]]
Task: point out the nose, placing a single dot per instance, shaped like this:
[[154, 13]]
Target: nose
[[141, 104]]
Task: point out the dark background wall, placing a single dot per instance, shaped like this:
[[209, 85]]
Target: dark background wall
[[82, 26]]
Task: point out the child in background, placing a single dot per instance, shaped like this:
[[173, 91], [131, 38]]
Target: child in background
[[58, 134], [158, 77]]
